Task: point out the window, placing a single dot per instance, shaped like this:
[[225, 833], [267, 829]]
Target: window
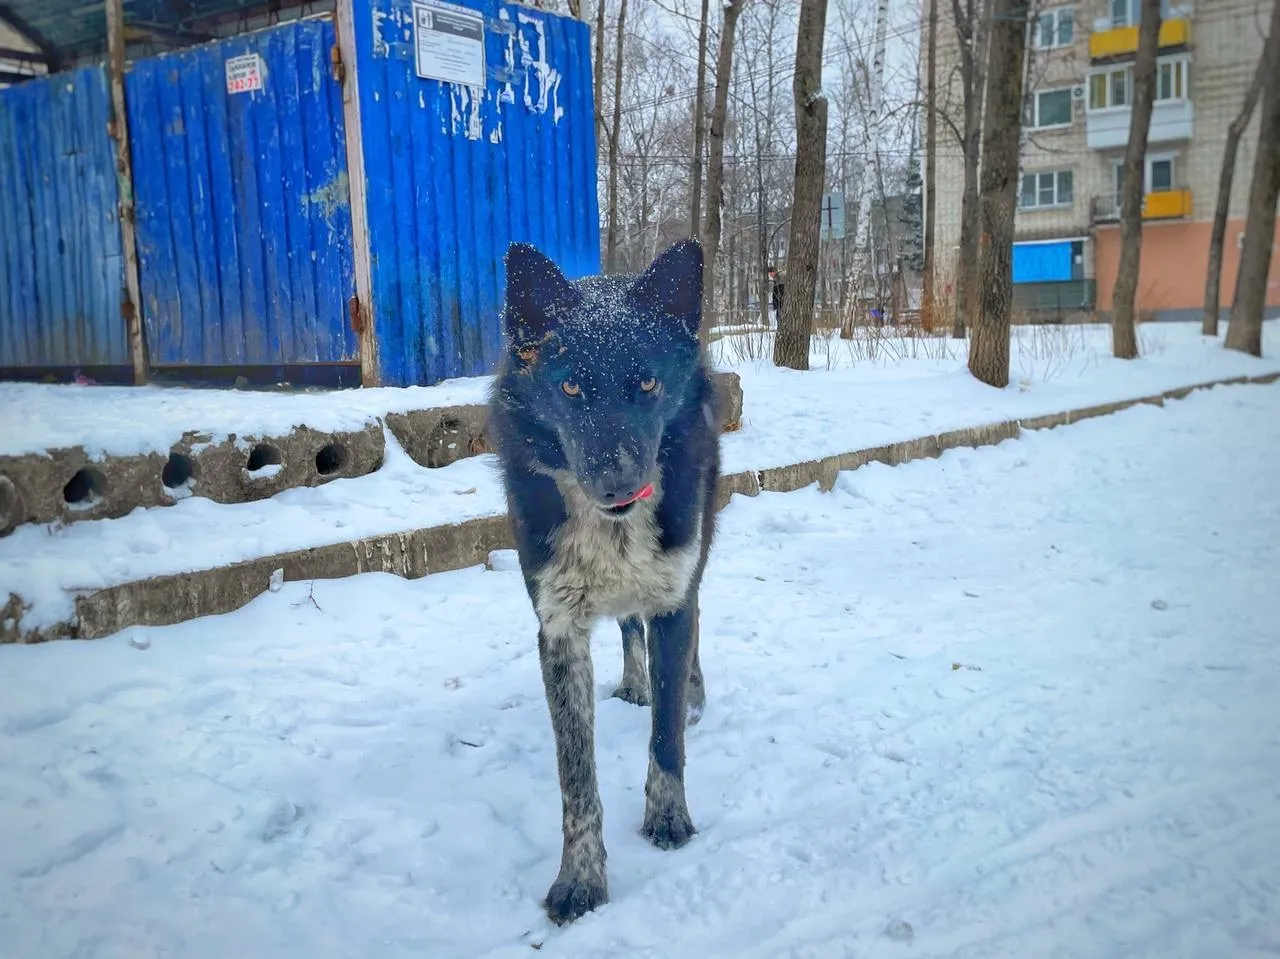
[[1159, 174], [1055, 28], [1052, 188], [1171, 79], [1128, 13], [1113, 87], [1109, 88], [1050, 108]]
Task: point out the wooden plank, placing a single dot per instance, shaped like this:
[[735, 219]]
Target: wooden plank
[[132, 307], [297, 68], [243, 145], [424, 326], [435, 139], [231, 337], [153, 230], [370, 363], [326, 164], [183, 336], [203, 343], [269, 105]]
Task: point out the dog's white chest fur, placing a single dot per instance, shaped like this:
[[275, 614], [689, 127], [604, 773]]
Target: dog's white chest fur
[[602, 566]]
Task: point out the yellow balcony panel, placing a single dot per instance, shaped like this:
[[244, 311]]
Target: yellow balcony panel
[[1167, 205], [1124, 40]]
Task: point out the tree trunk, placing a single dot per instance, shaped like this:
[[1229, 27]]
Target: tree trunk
[[1244, 331], [1002, 130], [973, 24], [601, 129], [795, 325], [1124, 338], [865, 261], [930, 168], [611, 242], [699, 112], [715, 161], [1218, 236], [762, 244]]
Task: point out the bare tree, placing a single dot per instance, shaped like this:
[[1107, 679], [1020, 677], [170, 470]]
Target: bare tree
[[611, 242], [601, 128], [972, 21], [930, 167], [759, 57], [699, 126], [1213, 278], [715, 161], [1244, 331], [795, 325], [1002, 130], [1124, 337]]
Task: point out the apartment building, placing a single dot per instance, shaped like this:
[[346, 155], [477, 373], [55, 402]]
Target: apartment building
[[1079, 93]]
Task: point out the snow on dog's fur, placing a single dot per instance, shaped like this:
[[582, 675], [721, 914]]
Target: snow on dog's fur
[[605, 423]]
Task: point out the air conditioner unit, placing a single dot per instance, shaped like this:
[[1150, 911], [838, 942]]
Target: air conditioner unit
[[1077, 92]]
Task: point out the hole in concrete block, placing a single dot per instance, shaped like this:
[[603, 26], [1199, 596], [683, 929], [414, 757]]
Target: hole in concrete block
[[85, 488], [178, 471], [331, 458], [10, 505], [261, 456]]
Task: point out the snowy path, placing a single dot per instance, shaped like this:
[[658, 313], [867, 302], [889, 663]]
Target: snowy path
[[368, 771]]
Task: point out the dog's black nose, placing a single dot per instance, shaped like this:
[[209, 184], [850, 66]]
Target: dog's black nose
[[619, 495]]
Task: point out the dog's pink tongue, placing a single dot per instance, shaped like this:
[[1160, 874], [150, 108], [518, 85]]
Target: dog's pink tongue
[[643, 494]]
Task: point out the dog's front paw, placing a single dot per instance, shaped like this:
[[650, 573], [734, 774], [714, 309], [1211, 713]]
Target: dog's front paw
[[632, 693], [572, 898], [670, 828]]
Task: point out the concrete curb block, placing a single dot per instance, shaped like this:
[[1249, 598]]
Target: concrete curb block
[[164, 600], [66, 485]]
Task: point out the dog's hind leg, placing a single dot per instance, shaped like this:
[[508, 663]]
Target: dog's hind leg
[[567, 675], [634, 687], [697, 694], [671, 643]]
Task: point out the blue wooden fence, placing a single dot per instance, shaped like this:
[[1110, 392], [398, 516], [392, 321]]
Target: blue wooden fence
[[61, 268], [456, 173], [244, 224], [243, 210]]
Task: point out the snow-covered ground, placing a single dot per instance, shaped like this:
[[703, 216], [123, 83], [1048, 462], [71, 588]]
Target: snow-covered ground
[[1051, 365], [875, 390], [1015, 702]]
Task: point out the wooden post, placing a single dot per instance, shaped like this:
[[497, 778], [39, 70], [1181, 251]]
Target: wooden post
[[131, 306], [362, 309]]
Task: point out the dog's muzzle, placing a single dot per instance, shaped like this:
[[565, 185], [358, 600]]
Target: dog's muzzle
[[623, 506]]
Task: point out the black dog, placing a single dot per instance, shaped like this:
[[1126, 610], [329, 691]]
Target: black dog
[[605, 422]]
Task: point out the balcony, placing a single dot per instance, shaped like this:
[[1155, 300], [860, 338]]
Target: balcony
[[1161, 205], [1123, 41], [1171, 121]]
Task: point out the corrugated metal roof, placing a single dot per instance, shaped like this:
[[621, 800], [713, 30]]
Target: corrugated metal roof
[[71, 30]]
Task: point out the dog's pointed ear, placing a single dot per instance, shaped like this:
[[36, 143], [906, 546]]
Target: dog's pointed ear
[[672, 286], [538, 295]]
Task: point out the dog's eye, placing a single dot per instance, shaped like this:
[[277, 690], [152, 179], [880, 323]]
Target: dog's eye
[[648, 385], [571, 388]]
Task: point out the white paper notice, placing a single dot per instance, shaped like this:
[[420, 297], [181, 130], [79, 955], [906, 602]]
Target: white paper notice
[[448, 43], [244, 73]]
